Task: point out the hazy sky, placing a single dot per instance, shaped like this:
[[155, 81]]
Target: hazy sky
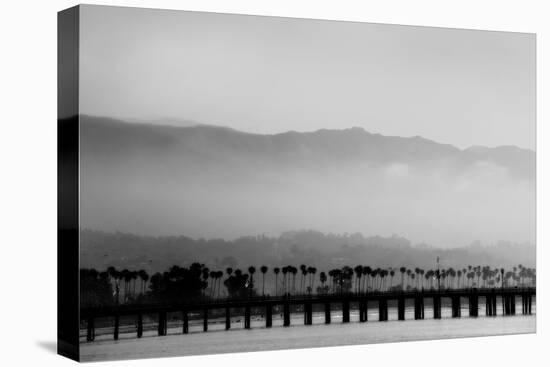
[[269, 75]]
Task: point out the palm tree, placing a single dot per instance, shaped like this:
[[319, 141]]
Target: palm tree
[[303, 270], [212, 276], [276, 270], [205, 275], [263, 269], [373, 275], [367, 272], [331, 275], [118, 278], [115, 278], [294, 271], [323, 279], [385, 273], [123, 275], [358, 273], [285, 271], [251, 271], [311, 270], [219, 276], [128, 280], [134, 281], [403, 270], [144, 277], [392, 273], [337, 277], [363, 278], [126, 275], [111, 270]]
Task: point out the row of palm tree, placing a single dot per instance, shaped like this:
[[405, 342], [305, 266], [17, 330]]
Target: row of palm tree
[[359, 279], [129, 280]]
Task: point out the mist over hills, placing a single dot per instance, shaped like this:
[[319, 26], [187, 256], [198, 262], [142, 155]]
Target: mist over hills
[[206, 181], [315, 148]]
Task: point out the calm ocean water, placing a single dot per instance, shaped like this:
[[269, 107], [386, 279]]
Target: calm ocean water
[[238, 339]]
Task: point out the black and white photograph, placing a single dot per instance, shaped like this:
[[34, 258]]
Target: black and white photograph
[[252, 183], [275, 183]]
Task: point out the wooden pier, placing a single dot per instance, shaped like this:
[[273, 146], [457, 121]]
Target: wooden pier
[[307, 302]]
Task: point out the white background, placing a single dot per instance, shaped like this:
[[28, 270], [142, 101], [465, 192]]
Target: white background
[[28, 181]]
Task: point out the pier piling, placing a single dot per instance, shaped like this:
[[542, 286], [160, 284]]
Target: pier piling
[[117, 324], [139, 325], [327, 312], [308, 314], [491, 305], [185, 322], [162, 323], [383, 309], [474, 306], [345, 311], [509, 304], [437, 307], [401, 308], [363, 308], [227, 318], [268, 315], [90, 334], [455, 305], [419, 308], [506, 305], [247, 317], [286, 314]]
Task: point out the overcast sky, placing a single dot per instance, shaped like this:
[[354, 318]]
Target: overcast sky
[[270, 75]]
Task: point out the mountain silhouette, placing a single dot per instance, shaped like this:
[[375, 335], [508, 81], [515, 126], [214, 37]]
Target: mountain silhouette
[[206, 143], [210, 181]]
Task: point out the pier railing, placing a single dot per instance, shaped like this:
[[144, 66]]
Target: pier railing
[[472, 295]]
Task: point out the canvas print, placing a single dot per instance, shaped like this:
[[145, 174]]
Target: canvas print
[[251, 183]]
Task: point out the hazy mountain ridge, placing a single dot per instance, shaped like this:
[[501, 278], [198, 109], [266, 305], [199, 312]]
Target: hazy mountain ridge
[[216, 182], [318, 147]]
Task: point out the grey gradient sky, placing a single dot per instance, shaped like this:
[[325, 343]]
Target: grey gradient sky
[[270, 75]]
